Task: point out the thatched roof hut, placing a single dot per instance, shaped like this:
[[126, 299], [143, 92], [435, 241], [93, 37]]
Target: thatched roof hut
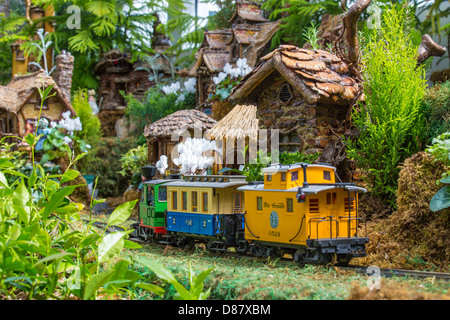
[[20, 102], [164, 134], [239, 123], [232, 133], [21, 88]]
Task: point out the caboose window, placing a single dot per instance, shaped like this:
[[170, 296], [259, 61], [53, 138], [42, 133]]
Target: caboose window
[[331, 198], [194, 201], [162, 194], [205, 201], [259, 203], [326, 175], [294, 176], [184, 200], [283, 176], [174, 200], [269, 177], [290, 205]]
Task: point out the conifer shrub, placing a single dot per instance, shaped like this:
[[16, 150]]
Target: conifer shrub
[[389, 121]]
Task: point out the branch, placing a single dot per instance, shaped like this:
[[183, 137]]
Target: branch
[[428, 48], [351, 25]]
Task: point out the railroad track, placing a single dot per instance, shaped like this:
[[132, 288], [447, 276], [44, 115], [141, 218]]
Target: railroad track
[[369, 271], [385, 272]]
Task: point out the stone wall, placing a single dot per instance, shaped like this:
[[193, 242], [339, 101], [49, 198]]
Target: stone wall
[[307, 128]]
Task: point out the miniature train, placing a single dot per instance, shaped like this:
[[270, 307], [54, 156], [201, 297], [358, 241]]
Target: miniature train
[[298, 210]]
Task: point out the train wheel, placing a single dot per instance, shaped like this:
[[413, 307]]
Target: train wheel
[[344, 259], [243, 247]]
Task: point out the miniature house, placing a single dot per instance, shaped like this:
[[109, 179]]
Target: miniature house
[[237, 129], [20, 103], [248, 37], [118, 74], [305, 94], [163, 135]]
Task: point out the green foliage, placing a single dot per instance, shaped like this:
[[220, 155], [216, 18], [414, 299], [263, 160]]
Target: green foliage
[[441, 199], [92, 130], [223, 89], [195, 291], [295, 15], [389, 122], [440, 148], [252, 169], [436, 111], [311, 35], [104, 163], [43, 256], [132, 161], [297, 157], [154, 106]]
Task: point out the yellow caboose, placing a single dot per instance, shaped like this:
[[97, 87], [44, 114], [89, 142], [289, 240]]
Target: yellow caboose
[[301, 210]]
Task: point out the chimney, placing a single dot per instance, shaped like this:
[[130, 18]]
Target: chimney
[[63, 73]]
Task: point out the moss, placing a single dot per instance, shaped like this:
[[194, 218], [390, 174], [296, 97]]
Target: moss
[[422, 232]]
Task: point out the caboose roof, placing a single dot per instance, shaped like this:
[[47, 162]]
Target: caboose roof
[[311, 189], [284, 168]]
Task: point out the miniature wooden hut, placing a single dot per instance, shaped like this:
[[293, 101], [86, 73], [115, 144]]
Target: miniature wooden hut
[[248, 37], [305, 94], [163, 135], [20, 103], [232, 134]]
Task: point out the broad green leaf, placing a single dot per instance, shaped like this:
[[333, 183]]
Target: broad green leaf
[[152, 288], [3, 181], [69, 175], [32, 179], [96, 282], [23, 213], [111, 245], [161, 272], [131, 245], [56, 199], [21, 195], [53, 257], [446, 179], [441, 199], [71, 208], [121, 213]]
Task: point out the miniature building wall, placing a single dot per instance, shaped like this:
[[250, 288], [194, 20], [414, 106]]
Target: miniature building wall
[[302, 126]]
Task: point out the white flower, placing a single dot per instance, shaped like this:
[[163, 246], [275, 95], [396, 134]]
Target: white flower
[[53, 124], [235, 73], [191, 156], [88, 146], [67, 140], [70, 125], [220, 77], [174, 87], [227, 69], [242, 63], [162, 165], [189, 85], [246, 71], [181, 98]]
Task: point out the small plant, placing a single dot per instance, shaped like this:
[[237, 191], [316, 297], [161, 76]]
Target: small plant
[[229, 78], [132, 162], [195, 291], [42, 47], [440, 148], [311, 35]]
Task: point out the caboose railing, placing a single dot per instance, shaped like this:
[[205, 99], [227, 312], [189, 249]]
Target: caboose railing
[[324, 219]]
